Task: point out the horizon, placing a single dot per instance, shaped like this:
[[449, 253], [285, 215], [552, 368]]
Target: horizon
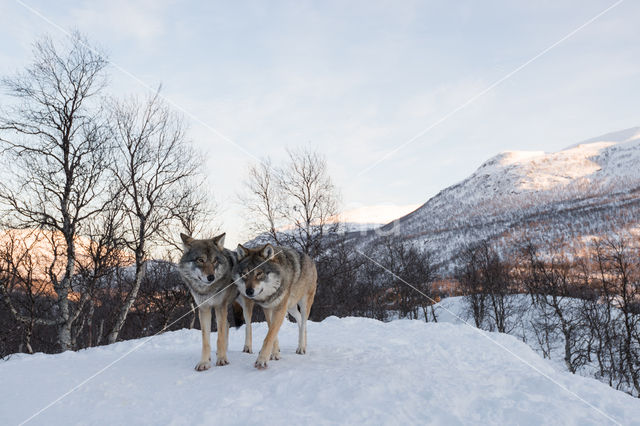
[[361, 80]]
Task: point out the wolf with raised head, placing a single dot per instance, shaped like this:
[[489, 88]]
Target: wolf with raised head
[[206, 268], [280, 280]]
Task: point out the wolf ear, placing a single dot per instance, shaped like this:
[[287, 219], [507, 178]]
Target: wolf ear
[[241, 252], [219, 240], [268, 252], [186, 240]]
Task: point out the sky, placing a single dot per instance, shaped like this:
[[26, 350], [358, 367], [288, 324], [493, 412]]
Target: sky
[[449, 83]]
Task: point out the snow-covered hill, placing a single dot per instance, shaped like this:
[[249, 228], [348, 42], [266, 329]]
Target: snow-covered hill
[[357, 371], [591, 187]]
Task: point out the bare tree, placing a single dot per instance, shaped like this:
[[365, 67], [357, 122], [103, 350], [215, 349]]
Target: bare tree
[[57, 150], [154, 168], [551, 281], [409, 264], [342, 292], [311, 201], [163, 292], [469, 277], [105, 253], [23, 288], [195, 214], [626, 277], [294, 205], [263, 200]]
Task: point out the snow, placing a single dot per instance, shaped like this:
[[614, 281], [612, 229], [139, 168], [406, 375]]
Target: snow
[[357, 371], [542, 171], [517, 157], [522, 324], [544, 195]]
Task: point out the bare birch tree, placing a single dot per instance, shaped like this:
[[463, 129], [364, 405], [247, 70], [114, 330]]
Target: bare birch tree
[[311, 200], [263, 200], [154, 166], [56, 148], [296, 204]]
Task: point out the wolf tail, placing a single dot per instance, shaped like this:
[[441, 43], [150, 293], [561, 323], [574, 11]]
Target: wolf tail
[[238, 317]]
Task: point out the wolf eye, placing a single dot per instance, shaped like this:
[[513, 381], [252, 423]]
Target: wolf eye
[[259, 275], [215, 260], [200, 261]]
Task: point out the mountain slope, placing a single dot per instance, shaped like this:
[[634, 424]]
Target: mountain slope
[[357, 371], [591, 187]]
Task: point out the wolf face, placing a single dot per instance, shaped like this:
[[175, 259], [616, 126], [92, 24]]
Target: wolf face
[[203, 261], [257, 274]]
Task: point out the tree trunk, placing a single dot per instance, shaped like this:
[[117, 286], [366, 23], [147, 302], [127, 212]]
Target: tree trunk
[[124, 310], [63, 290], [99, 334]]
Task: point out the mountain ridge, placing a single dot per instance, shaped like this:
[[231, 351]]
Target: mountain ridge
[[589, 188]]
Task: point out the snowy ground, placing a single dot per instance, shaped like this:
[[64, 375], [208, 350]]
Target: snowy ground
[[521, 325], [357, 371]]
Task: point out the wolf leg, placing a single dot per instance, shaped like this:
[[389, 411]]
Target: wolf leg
[[223, 335], [302, 326], [275, 351], [247, 312], [297, 313], [310, 296], [204, 312], [277, 316]]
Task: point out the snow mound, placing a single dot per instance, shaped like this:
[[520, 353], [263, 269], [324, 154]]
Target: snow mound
[[357, 371], [542, 171]]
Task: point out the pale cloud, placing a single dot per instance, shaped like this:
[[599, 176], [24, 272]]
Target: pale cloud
[[141, 21]]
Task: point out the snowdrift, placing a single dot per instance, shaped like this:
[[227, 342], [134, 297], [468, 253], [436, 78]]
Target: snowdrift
[[357, 371]]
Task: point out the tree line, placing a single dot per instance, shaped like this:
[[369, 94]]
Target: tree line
[[579, 303], [91, 182]]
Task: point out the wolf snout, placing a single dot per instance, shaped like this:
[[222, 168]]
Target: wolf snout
[[211, 277], [249, 292]]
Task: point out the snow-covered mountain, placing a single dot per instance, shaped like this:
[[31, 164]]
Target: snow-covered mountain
[[592, 187], [357, 371]]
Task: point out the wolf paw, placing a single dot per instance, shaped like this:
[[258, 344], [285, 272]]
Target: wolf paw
[[261, 364], [247, 349], [275, 356], [203, 365], [301, 351], [222, 361]]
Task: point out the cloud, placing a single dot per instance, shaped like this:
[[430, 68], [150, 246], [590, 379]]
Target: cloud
[[142, 21]]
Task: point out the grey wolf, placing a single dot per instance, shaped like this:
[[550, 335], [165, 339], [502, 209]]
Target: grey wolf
[[206, 268], [280, 280]]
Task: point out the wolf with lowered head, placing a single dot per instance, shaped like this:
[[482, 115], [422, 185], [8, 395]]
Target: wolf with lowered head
[[280, 280], [206, 268]]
